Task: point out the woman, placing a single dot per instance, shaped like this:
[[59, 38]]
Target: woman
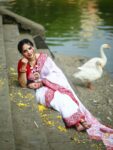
[[38, 71]]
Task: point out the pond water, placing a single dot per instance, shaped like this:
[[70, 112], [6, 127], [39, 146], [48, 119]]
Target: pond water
[[73, 27]]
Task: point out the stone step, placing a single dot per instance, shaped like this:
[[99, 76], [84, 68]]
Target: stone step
[[24, 108], [6, 130], [30, 133]]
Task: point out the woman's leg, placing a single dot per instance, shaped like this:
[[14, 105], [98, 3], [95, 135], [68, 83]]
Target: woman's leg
[[68, 109], [40, 95]]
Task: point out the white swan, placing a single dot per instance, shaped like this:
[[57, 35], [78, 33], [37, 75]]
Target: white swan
[[102, 59], [89, 74], [92, 69]]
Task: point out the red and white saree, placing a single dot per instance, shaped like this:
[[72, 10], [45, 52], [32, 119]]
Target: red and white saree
[[58, 94]]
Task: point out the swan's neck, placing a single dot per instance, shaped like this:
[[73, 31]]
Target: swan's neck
[[103, 56]]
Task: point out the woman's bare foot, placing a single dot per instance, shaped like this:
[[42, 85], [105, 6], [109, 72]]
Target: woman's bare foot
[[85, 124], [80, 127]]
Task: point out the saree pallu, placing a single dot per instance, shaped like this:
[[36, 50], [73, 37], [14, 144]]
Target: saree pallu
[[58, 94]]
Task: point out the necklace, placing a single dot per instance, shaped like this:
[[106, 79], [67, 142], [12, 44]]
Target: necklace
[[33, 62]]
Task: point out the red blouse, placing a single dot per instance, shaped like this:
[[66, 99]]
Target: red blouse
[[31, 71]]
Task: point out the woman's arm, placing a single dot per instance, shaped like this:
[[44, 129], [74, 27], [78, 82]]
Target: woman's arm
[[22, 77]]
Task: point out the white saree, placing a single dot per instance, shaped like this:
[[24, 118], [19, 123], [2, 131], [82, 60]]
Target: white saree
[[58, 94]]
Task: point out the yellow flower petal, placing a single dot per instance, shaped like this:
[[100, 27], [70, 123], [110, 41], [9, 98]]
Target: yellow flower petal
[[41, 108], [22, 105], [51, 123], [59, 117], [62, 129]]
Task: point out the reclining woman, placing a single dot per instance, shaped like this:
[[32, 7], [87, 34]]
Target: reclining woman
[[38, 71]]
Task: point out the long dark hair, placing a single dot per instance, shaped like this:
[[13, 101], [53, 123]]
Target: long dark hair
[[22, 42]]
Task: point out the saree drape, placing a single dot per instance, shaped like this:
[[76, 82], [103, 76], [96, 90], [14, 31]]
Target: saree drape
[[58, 94]]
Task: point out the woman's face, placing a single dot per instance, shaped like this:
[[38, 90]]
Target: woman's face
[[28, 51]]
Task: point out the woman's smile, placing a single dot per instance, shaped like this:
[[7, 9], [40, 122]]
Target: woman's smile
[[28, 51]]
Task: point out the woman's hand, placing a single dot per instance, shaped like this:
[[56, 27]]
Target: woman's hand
[[24, 62], [35, 85]]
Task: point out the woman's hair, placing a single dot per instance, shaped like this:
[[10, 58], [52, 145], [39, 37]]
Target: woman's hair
[[22, 42]]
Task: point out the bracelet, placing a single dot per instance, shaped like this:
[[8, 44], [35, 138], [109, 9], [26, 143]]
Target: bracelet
[[23, 71]]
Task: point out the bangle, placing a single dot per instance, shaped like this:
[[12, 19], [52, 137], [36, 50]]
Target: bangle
[[23, 71]]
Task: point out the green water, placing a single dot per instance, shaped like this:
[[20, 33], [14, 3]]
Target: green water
[[73, 27]]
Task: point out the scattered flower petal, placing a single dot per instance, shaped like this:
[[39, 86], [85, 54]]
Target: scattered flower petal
[[62, 129], [22, 105], [41, 108], [59, 117], [51, 123]]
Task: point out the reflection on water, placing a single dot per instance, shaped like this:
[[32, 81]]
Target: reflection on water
[[89, 21], [73, 27]]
